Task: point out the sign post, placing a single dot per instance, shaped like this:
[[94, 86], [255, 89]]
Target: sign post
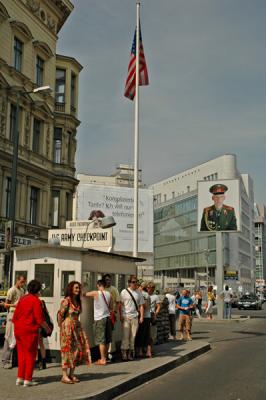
[[219, 272]]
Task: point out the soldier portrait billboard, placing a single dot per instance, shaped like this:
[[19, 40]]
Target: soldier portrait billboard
[[219, 206]]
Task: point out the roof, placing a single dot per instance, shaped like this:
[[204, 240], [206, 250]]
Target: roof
[[80, 249]]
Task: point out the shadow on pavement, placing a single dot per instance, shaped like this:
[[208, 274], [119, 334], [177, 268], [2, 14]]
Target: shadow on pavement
[[83, 377]]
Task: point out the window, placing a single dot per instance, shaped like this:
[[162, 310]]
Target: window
[[18, 51], [66, 278], [73, 91], [60, 86], [57, 145], [45, 274], [55, 215], [69, 148], [68, 206], [13, 116], [8, 194], [33, 205], [39, 70], [36, 135]]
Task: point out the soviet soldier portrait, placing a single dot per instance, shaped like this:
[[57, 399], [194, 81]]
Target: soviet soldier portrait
[[218, 217]]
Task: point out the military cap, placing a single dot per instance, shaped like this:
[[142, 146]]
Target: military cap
[[218, 189]]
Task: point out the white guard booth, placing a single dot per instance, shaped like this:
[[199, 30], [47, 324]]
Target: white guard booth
[[55, 266]]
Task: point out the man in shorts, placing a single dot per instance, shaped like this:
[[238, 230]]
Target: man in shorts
[[185, 306], [103, 304], [117, 309]]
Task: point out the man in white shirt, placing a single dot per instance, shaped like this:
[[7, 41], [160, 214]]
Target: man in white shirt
[[14, 294], [117, 309], [132, 314], [103, 304], [172, 312], [227, 295]]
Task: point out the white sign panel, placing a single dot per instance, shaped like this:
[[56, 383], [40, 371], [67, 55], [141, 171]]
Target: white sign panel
[[219, 206], [82, 237], [119, 202]]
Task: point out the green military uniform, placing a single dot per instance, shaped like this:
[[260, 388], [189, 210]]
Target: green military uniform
[[223, 219], [216, 218]]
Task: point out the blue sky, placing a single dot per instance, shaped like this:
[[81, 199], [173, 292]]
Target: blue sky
[[207, 95]]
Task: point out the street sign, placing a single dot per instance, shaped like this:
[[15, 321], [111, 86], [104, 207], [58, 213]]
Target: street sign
[[231, 275]]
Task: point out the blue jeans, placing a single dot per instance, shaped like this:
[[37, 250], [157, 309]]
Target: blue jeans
[[227, 310]]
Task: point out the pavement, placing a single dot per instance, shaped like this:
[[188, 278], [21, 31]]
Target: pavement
[[102, 382], [234, 369]]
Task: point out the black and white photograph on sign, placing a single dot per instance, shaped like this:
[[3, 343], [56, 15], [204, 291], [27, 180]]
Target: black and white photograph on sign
[[219, 205]]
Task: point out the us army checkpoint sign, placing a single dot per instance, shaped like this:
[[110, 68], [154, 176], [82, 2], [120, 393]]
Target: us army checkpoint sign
[[97, 238], [219, 206]]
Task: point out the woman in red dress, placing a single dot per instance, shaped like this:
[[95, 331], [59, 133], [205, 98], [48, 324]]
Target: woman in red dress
[[27, 319], [74, 343]]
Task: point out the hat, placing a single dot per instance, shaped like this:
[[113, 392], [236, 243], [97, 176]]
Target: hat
[[218, 189]]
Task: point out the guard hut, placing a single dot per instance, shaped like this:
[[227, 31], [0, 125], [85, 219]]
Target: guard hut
[[55, 266]]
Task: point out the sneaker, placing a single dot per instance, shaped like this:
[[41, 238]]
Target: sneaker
[[19, 381], [7, 366], [131, 356], [30, 383]]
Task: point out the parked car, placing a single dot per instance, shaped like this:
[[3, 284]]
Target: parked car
[[249, 301], [234, 301], [3, 315]]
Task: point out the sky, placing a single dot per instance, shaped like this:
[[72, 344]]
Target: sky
[[207, 94]]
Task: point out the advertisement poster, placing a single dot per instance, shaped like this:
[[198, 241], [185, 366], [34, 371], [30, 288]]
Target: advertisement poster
[[219, 206], [119, 203]]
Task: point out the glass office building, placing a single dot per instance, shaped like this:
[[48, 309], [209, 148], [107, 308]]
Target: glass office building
[[179, 250], [182, 255]]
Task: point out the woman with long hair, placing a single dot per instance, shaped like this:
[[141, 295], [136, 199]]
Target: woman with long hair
[[73, 341]]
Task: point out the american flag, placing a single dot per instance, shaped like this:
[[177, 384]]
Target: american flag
[[130, 86]]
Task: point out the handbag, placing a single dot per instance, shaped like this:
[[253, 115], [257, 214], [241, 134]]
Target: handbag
[[112, 316], [48, 320]]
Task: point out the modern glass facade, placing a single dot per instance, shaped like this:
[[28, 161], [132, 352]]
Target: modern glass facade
[[179, 250], [260, 245]]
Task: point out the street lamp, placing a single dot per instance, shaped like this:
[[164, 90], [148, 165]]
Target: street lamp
[[100, 222], [12, 209]]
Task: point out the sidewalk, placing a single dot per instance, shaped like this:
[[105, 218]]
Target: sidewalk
[[102, 382], [235, 318]]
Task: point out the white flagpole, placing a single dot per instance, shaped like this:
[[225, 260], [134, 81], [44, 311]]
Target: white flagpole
[[136, 141]]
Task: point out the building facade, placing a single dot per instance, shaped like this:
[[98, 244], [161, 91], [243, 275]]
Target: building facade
[[114, 196], [260, 242], [182, 255], [47, 121]]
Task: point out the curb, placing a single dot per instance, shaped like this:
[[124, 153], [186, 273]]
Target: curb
[[213, 321], [137, 380]]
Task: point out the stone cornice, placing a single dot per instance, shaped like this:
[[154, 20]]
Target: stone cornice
[[62, 8], [3, 13]]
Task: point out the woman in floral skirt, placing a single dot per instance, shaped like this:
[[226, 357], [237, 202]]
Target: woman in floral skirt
[[73, 341]]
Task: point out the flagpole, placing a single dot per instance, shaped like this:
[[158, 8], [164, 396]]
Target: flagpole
[[136, 141]]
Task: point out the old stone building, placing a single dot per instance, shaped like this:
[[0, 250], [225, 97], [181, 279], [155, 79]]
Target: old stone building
[[47, 120]]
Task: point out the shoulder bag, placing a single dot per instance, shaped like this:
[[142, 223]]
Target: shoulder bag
[[112, 315], [47, 319], [134, 300]]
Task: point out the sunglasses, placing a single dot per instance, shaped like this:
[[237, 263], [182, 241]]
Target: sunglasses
[[133, 282]]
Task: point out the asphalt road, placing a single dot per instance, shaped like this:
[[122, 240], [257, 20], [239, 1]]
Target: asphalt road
[[233, 370]]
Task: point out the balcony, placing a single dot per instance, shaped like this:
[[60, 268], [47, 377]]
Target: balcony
[[60, 107]]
